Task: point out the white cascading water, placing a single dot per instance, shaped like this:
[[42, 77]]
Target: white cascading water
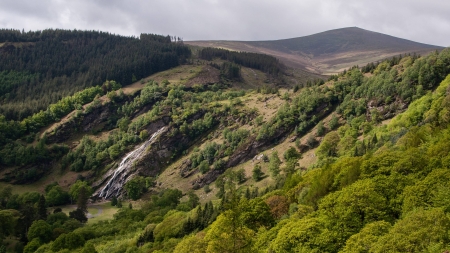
[[116, 182]]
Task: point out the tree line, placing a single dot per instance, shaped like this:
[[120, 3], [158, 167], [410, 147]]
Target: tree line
[[265, 63], [41, 67]]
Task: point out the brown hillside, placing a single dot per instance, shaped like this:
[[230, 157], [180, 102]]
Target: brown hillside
[[328, 52]]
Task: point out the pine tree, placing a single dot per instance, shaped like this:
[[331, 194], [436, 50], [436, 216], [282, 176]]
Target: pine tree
[[82, 200], [42, 209]]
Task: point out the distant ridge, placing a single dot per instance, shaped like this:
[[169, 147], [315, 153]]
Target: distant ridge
[[330, 51]]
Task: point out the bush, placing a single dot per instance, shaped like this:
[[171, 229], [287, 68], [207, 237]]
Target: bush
[[257, 173]]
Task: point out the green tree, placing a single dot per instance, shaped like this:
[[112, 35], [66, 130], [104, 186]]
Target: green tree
[[227, 234], [419, 230], [367, 237], [82, 199], [40, 230], [193, 243], [320, 129], [114, 201], [302, 235], [123, 123], [32, 246], [292, 154], [351, 208], [193, 200], [8, 221], [334, 122], [42, 208], [257, 173], [274, 164], [77, 187], [170, 227], [57, 196], [329, 145], [135, 187], [79, 215], [255, 213]]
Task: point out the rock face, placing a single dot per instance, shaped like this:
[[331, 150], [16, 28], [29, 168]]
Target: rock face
[[253, 147], [245, 152], [185, 168], [119, 176], [84, 123]]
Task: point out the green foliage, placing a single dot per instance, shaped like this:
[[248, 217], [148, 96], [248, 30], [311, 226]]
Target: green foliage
[[68, 241], [320, 129], [135, 187], [227, 235], [266, 63], [302, 235], [32, 246], [367, 237], [40, 230], [418, 230], [257, 173], [75, 189], [79, 214], [328, 146], [291, 154], [429, 192], [353, 207], [62, 70], [57, 196], [274, 164], [334, 122], [171, 226], [8, 222]]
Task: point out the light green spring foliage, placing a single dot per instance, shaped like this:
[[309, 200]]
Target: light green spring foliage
[[416, 232], [366, 238], [393, 197]]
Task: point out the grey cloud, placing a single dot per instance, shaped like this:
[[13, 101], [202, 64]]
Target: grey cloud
[[426, 22]]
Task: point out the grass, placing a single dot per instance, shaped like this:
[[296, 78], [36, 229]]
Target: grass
[[100, 211]]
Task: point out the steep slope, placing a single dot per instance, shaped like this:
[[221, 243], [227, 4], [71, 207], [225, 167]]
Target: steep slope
[[328, 52], [39, 68]]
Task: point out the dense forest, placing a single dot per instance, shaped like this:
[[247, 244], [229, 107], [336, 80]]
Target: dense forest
[[265, 63], [379, 183], [39, 68]]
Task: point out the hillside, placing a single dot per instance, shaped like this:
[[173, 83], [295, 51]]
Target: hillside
[[220, 155], [328, 52], [40, 67]]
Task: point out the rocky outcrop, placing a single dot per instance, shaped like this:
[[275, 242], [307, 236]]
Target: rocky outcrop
[[245, 152], [83, 122], [185, 168], [165, 148], [252, 147], [119, 176]]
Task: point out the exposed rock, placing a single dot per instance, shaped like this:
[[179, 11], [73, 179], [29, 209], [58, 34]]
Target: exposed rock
[[85, 123], [162, 151], [185, 168], [245, 152]]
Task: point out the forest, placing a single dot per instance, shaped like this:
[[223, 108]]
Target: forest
[[39, 68], [380, 181]]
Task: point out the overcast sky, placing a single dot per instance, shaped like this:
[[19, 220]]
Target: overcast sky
[[426, 21]]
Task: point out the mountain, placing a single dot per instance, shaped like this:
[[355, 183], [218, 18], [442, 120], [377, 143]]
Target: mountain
[[328, 52]]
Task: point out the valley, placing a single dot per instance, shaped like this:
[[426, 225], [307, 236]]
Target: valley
[[229, 151]]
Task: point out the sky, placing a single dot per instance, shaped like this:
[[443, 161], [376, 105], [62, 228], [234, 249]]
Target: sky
[[425, 21]]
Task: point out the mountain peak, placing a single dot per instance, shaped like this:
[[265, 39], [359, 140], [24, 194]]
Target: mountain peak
[[329, 51]]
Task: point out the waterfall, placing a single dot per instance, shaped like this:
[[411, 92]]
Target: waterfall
[[117, 180]]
